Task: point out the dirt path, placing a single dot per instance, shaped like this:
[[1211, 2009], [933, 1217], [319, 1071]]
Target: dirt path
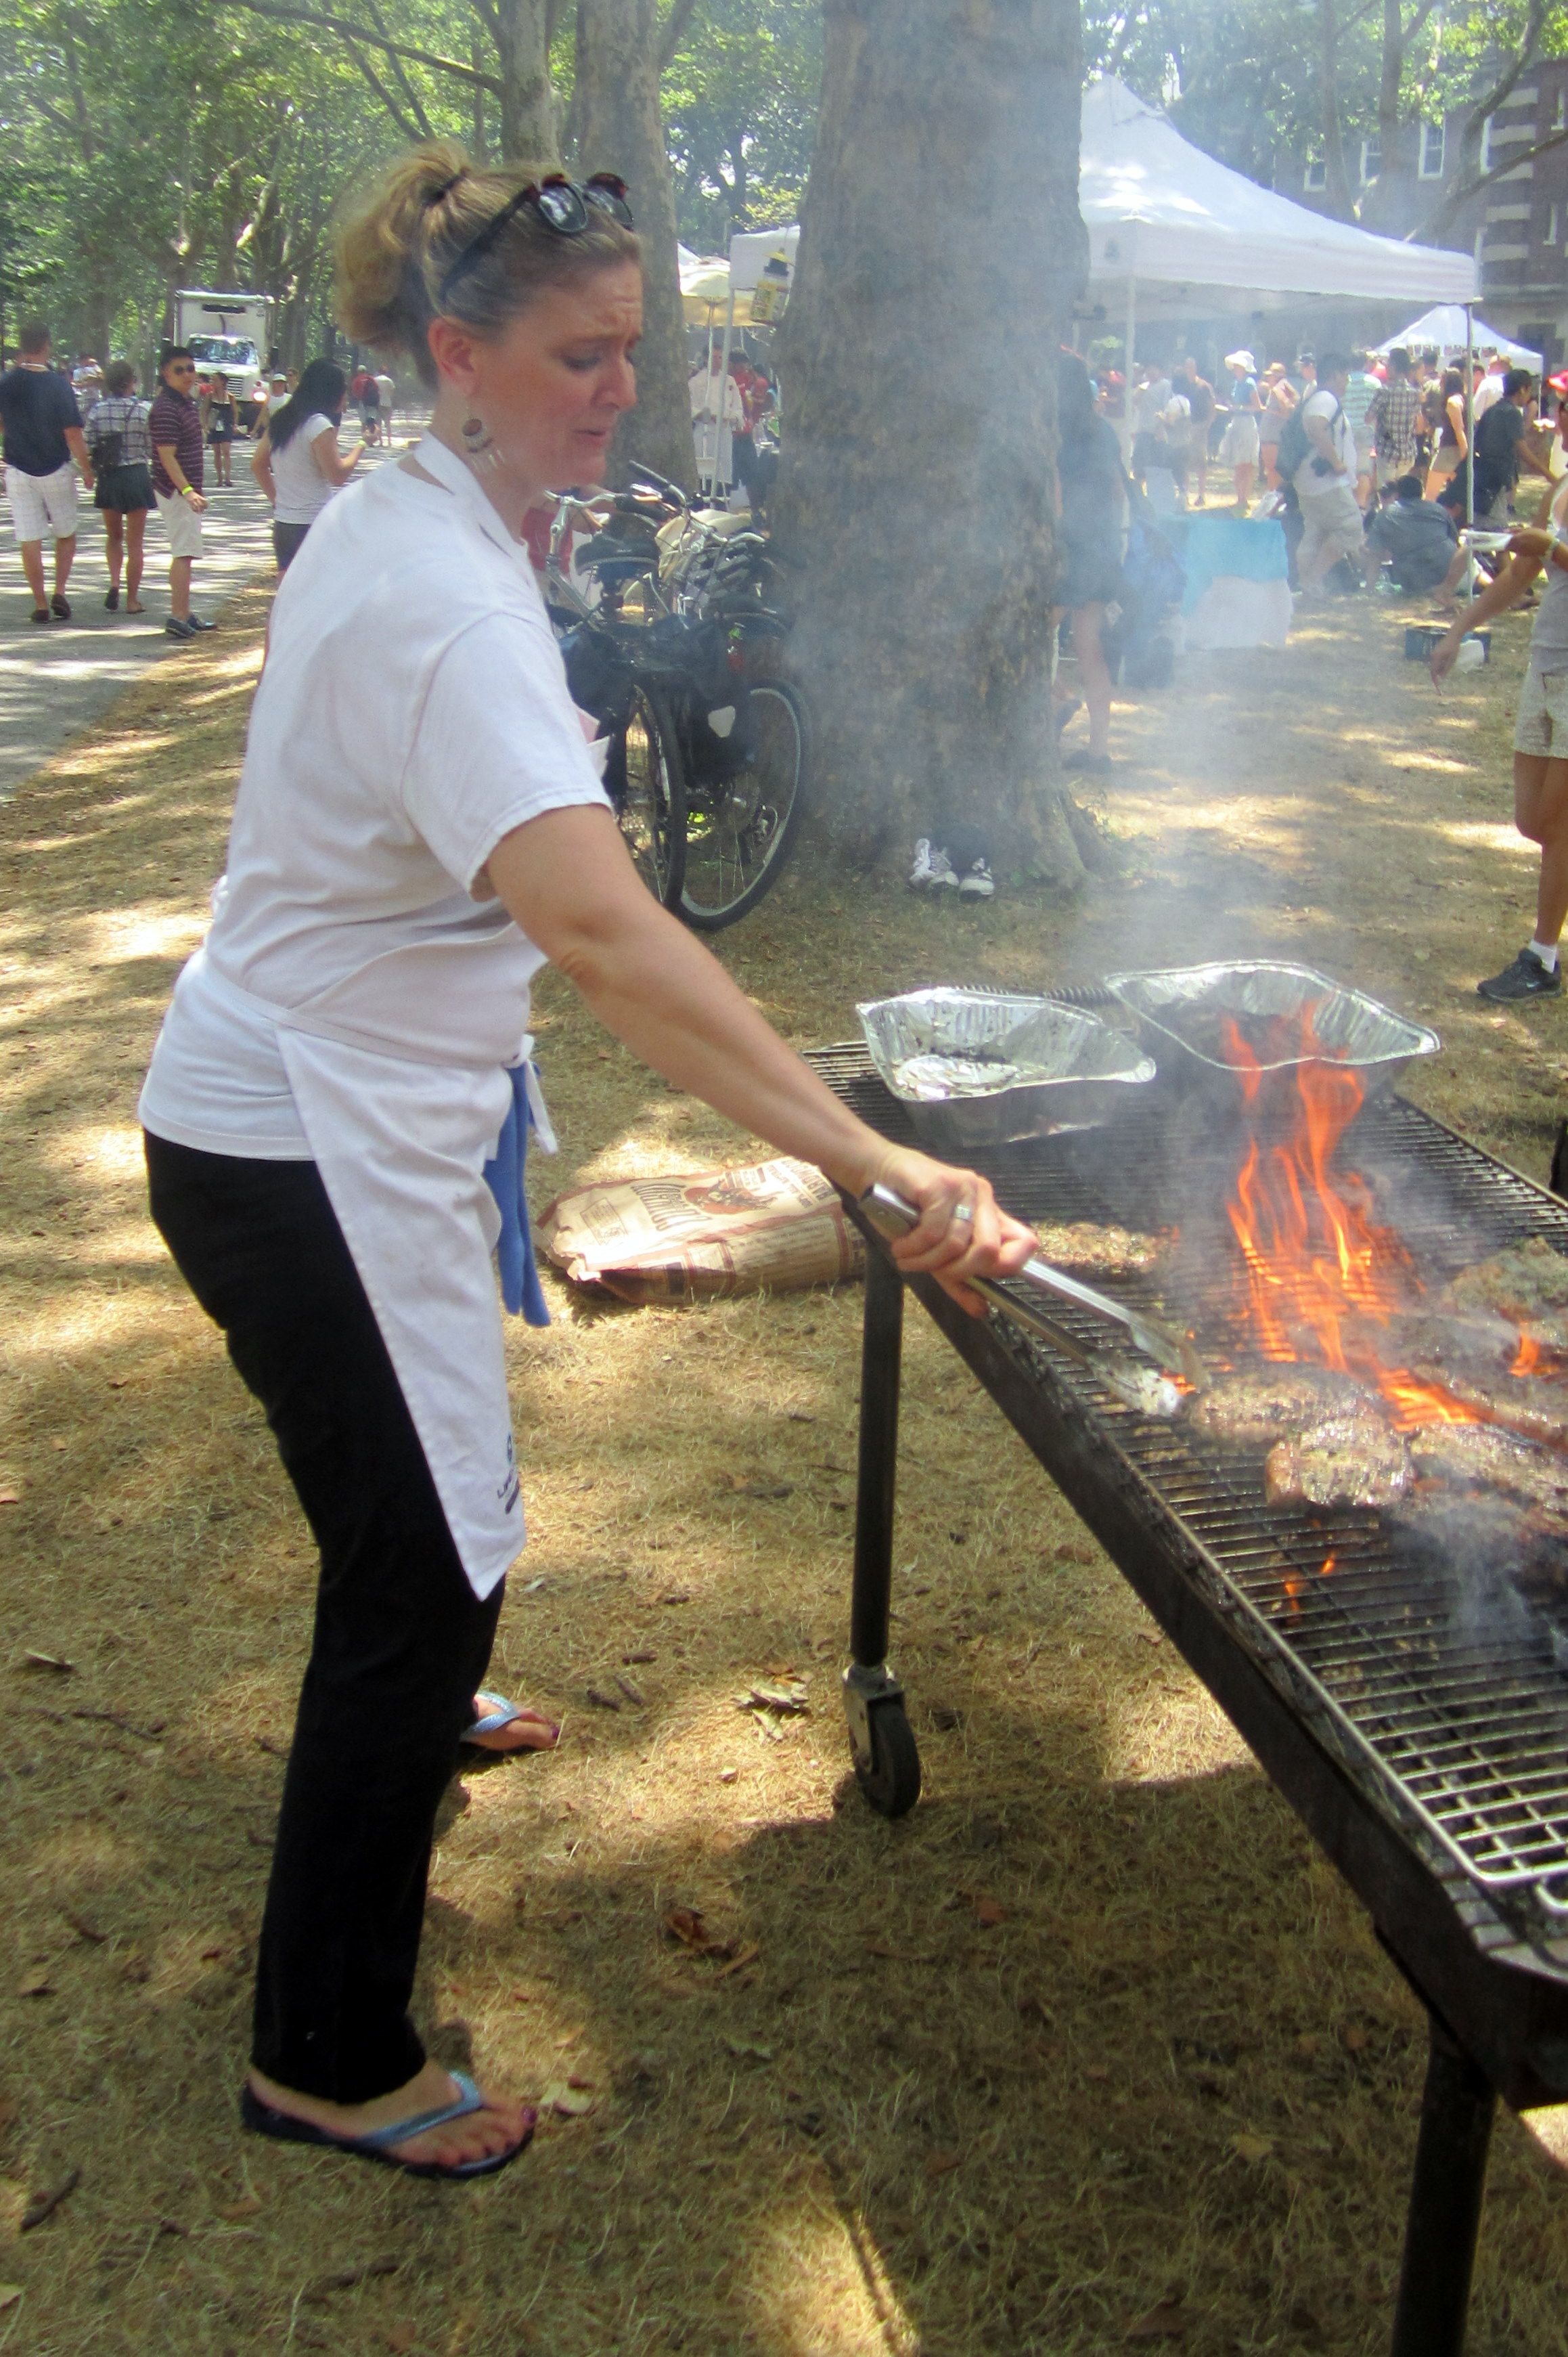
[[1177, 2071]]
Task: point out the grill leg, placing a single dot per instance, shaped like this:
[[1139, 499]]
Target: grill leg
[[881, 1352], [886, 1760], [1444, 2217]]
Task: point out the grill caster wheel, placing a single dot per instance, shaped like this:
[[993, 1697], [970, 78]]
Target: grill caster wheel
[[891, 1779]]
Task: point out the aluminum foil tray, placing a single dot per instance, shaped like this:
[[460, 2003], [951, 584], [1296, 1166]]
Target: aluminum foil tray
[[978, 1068], [1179, 1013]]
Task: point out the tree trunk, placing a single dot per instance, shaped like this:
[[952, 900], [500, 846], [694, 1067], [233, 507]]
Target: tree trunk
[[1336, 178], [940, 254], [620, 128], [528, 127]]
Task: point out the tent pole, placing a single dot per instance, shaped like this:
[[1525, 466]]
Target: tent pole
[[724, 374], [1127, 373]]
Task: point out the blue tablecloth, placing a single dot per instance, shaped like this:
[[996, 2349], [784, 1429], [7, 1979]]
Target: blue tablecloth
[[1209, 546]]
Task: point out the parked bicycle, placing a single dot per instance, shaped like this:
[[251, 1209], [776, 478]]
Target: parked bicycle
[[670, 622]]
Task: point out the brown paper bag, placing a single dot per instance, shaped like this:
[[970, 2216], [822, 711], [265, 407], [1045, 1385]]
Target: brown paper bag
[[704, 1235]]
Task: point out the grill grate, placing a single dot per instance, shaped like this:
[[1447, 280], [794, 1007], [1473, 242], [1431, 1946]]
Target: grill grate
[[1444, 1689]]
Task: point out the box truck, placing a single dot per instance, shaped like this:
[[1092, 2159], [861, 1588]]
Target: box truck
[[231, 332]]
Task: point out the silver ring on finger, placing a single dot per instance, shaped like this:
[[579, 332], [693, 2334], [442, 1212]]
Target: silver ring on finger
[[961, 1211]]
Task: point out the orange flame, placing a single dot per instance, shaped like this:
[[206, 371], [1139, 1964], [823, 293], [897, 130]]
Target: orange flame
[[1530, 1358], [1317, 1271]]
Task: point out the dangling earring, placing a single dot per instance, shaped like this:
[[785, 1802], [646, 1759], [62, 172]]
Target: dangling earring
[[480, 448]]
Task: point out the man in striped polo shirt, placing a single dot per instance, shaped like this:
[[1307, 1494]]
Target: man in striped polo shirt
[[175, 425]]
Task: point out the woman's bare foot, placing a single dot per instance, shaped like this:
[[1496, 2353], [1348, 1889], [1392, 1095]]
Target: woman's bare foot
[[478, 2136], [527, 1730]]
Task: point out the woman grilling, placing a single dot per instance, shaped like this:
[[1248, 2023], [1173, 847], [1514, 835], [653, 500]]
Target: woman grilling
[[420, 824]]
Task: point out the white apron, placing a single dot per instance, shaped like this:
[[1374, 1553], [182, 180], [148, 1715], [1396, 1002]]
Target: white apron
[[399, 1073]]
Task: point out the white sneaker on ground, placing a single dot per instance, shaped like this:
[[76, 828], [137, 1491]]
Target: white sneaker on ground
[[979, 884], [932, 867]]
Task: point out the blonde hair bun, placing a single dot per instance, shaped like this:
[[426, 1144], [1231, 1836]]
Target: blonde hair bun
[[397, 243]]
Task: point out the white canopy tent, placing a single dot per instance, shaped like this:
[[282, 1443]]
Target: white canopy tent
[[1450, 327], [1176, 234]]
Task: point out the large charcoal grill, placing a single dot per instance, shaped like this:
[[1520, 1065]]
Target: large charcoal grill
[[1419, 1728]]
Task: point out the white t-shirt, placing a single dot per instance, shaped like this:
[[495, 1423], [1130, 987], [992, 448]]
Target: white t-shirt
[[303, 490], [412, 710], [1309, 483], [388, 391], [1489, 393]]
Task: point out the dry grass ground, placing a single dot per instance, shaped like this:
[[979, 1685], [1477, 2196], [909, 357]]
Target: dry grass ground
[[1175, 2083]]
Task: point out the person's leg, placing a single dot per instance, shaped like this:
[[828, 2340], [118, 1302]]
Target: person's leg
[[136, 543], [31, 553], [1540, 814], [114, 545], [401, 1643], [1093, 677], [179, 588], [1245, 472], [65, 552]]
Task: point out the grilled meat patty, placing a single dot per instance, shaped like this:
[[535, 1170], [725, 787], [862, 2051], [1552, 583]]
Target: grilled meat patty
[[1528, 1281], [1270, 1404], [1086, 1250], [1344, 1461], [1477, 1455]]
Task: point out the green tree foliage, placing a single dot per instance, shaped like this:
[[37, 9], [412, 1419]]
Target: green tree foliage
[[740, 107]]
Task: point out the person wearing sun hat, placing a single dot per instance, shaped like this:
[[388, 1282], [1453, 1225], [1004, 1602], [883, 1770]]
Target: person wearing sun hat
[[1239, 444]]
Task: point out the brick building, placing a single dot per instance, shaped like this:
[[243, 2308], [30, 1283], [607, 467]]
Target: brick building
[[1517, 226]]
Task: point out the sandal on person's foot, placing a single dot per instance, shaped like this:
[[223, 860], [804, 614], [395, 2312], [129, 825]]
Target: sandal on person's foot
[[60, 607], [502, 1712], [134, 605], [111, 597], [41, 614], [262, 2120]]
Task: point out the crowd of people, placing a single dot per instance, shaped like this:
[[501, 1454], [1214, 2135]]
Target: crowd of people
[[88, 430]]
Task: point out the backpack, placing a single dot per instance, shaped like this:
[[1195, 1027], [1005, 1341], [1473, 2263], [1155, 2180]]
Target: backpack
[[1295, 446]]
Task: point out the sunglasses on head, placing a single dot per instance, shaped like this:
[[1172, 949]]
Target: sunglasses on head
[[566, 206]]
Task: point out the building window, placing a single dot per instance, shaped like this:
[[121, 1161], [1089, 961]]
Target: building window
[[1314, 180], [1487, 158], [1560, 119], [1371, 160], [1551, 224], [1433, 142]]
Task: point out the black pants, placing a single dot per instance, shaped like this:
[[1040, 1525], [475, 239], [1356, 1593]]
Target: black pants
[[401, 1640], [288, 539]]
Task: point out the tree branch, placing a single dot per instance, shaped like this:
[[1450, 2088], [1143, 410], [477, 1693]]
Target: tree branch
[[1457, 198], [321, 23], [672, 32], [1508, 79], [406, 125], [411, 96]]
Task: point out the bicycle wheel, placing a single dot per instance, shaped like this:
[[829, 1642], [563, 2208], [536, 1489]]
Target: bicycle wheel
[[647, 783], [738, 834]]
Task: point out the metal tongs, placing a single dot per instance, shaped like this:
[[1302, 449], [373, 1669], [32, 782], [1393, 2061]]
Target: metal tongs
[[1136, 1387]]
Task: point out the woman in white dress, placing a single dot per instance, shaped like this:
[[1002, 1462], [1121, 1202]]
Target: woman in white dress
[[339, 1101], [298, 462]]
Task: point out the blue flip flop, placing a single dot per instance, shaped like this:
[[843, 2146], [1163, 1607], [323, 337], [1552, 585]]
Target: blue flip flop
[[262, 2120], [500, 1714]]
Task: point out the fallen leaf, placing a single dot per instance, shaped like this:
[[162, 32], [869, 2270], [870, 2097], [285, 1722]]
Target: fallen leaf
[[990, 1912], [10, 1497], [629, 1658], [9, 2294], [630, 1691], [745, 2050], [84, 1929], [568, 2102], [686, 1924], [35, 1981], [32, 1660], [245, 2208], [1253, 2147], [728, 1775], [942, 2164], [1167, 2320], [401, 2336], [1354, 2039], [576, 2080], [739, 1961], [602, 1700], [44, 2205], [173, 2226], [788, 1699], [943, 1717], [677, 1595]]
